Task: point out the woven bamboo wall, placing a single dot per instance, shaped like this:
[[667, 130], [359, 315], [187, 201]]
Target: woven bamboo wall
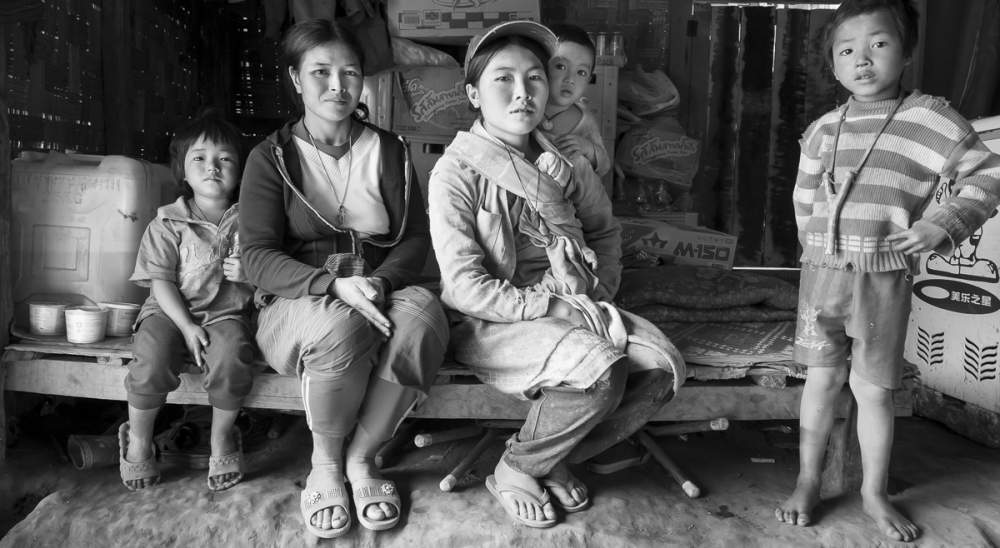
[[109, 76]]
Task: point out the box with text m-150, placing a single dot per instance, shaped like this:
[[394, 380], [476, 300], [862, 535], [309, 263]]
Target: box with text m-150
[[678, 244], [454, 22]]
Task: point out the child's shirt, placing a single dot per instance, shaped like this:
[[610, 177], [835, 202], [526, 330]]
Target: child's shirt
[[590, 131], [926, 140], [188, 252]]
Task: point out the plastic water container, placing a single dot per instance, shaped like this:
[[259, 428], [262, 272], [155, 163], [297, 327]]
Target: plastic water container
[[76, 225]]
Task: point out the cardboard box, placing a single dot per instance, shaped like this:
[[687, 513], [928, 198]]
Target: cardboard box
[[953, 333], [430, 103], [454, 22], [678, 244]]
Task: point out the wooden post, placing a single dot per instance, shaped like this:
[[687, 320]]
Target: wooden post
[[6, 298], [842, 465]]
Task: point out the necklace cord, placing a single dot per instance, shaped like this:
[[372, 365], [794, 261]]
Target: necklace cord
[[341, 210], [837, 199]]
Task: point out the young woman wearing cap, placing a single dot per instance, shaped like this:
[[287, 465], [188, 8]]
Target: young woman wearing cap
[[529, 259], [334, 237]]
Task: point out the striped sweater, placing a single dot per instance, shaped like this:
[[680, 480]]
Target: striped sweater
[[925, 141]]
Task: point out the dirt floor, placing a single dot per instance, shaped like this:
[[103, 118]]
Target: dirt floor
[[949, 486]]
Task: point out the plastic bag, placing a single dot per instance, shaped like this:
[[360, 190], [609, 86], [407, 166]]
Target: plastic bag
[[646, 93], [407, 53]]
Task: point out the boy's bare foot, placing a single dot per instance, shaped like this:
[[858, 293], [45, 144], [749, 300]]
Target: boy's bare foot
[[797, 509], [889, 520]]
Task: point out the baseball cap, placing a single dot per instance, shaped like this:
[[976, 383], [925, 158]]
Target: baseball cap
[[528, 29]]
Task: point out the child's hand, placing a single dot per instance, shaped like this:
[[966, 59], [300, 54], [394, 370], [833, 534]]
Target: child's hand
[[921, 237], [196, 339], [570, 145], [232, 269]]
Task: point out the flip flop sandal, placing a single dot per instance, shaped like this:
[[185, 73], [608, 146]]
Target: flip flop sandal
[[134, 471], [230, 463], [510, 506], [367, 491], [567, 486], [324, 493]]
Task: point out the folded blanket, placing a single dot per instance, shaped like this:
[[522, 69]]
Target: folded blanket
[[663, 313], [696, 293]]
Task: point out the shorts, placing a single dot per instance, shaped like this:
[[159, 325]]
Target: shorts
[[858, 314]]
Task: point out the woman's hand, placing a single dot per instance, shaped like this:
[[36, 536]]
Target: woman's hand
[[367, 296], [921, 237], [196, 339], [561, 309], [232, 269]]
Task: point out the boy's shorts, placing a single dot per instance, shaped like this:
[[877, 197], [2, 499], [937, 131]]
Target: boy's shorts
[[858, 314]]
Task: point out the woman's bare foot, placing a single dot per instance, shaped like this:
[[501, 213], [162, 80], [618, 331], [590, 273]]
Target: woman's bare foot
[[330, 517], [364, 468], [797, 509], [567, 488], [889, 520], [527, 509]]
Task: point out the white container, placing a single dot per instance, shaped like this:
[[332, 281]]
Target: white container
[[76, 225], [954, 329], [47, 318], [86, 324], [121, 316]]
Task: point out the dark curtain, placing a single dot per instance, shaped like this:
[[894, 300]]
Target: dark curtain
[[771, 81], [962, 55]]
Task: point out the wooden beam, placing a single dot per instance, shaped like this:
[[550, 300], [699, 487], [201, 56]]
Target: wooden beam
[[6, 297]]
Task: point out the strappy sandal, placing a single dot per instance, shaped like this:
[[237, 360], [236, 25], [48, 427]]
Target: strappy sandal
[[322, 492], [368, 491], [145, 469], [230, 463]]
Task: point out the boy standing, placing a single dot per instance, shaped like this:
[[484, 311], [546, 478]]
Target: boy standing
[[867, 172]]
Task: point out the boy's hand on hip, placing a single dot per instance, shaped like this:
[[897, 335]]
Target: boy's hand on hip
[[362, 295], [919, 238], [232, 269]]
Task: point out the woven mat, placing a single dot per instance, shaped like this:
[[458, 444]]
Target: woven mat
[[736, 346]]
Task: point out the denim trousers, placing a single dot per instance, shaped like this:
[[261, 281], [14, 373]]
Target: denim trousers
[[160, 356], [572, 425]]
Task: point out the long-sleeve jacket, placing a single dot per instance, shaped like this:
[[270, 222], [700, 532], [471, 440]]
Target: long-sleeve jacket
[[926, 141], [473, 230], [286, 243]]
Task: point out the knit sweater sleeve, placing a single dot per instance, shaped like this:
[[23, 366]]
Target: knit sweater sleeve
[[809, 176], [976, 190]]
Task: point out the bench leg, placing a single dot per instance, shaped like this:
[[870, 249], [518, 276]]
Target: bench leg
[[3, 413], [842, 466]]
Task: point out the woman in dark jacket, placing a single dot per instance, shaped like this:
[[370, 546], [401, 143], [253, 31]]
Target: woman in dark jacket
[[335, 236]]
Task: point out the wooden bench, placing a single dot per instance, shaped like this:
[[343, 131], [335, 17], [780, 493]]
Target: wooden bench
[[98, 371]]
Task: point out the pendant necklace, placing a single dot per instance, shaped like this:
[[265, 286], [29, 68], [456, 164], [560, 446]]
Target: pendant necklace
[[341, 211]]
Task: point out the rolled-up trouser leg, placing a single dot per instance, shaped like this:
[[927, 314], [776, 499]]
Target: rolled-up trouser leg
[[645, 393], [160, 352], [228, 364], [559, 418]]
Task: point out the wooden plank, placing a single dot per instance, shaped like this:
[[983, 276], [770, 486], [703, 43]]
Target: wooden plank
[[697, 401], [6, 296], [94, 350]]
